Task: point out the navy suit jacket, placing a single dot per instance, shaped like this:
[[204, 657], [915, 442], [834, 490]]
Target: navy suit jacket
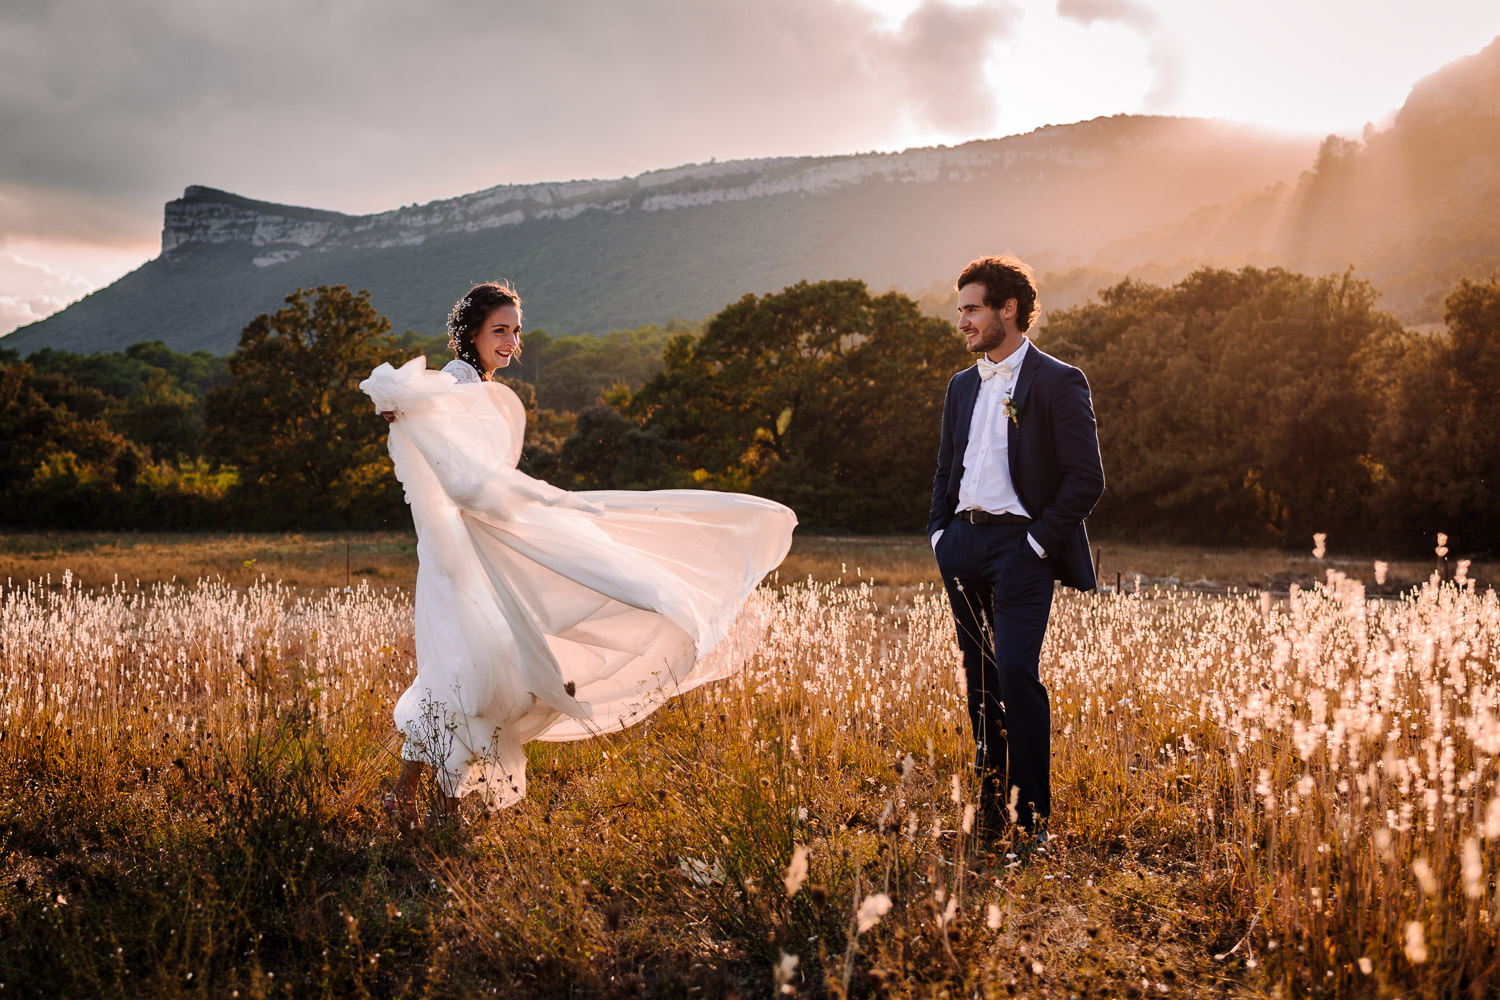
[[1054, 458]]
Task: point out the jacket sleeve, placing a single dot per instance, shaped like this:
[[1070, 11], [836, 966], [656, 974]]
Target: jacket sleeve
[[1075, 441], [941, 515]]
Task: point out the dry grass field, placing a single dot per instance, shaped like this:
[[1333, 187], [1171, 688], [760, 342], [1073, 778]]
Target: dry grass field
[[315, 559], [322, 559], [1282, 792]]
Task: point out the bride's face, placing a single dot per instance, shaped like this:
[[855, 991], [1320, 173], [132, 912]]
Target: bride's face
[[498, 337]]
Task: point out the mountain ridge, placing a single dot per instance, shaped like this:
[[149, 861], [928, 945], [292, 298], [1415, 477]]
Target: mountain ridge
[[1118, 195], [594, 255], [667, 189]]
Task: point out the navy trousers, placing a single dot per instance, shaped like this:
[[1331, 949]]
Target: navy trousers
[[1001, 592]]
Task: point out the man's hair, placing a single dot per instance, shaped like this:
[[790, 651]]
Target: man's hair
[[471, 311], [1004, 277]]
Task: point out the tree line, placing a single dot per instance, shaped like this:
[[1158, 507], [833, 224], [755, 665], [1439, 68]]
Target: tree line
[[1263, 406], [1243, 407], [277, 435]]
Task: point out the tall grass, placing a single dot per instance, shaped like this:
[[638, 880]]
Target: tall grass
[[1252, 796]]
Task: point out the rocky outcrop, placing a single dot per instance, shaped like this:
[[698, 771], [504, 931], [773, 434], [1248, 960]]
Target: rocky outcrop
[[206, 216]]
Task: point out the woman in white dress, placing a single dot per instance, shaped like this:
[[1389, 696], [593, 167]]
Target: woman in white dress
[[540, 613]]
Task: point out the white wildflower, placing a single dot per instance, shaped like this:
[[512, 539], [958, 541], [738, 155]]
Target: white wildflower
[[1473, 866], [783, 972], [1416, 943], [1425, 878], [796, 872], [871, 910]]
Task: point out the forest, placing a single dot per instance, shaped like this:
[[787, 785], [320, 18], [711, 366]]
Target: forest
[[1252, 406]]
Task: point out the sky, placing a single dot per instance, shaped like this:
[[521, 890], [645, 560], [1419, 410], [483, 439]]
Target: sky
[[108, 109]]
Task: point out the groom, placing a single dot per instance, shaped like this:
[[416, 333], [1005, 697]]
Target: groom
[[1018, 471]]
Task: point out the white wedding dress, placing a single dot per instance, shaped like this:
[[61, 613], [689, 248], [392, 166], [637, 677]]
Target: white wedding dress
[[545, 614]]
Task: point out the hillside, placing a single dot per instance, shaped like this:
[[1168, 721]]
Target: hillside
[[599, 255], [1414, 207]]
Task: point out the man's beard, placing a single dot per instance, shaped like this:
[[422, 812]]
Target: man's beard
[[989, 340]]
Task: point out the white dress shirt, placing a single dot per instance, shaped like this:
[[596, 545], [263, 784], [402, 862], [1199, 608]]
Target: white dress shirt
[[986, 484]]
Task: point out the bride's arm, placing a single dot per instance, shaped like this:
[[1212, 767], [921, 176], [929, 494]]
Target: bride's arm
[[522, 487], [470, 441]]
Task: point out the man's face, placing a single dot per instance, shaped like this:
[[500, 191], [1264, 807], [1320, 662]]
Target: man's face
[[984, 327]]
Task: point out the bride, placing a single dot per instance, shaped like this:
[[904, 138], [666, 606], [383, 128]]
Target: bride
[[540, 613]]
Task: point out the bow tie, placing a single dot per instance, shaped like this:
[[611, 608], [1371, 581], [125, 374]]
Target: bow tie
[[989, 369]]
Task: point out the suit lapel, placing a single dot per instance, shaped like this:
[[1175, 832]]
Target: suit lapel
[[1029, 365], [1025, 377], [967, 391]]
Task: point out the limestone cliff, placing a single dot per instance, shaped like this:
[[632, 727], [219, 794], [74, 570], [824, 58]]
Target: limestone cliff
[[205, 215], [592, 255]]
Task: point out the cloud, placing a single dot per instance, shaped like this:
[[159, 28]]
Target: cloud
[[940, 43], [1163, 53], [30, 290], [363, 106]]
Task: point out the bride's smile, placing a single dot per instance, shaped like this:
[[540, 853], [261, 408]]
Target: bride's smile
[[498, 337]]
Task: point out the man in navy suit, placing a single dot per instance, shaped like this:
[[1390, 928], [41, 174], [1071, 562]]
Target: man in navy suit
[[1018, 471]]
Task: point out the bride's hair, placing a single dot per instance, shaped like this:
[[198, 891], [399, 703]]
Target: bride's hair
[[471, 311]]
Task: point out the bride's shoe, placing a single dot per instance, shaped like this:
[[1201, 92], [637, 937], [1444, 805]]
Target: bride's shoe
[[402, 812]]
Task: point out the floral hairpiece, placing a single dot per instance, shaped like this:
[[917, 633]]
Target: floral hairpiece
[[455, 318]]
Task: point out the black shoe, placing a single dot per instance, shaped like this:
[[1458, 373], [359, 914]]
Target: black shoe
[[1031, 846], [992, 824]]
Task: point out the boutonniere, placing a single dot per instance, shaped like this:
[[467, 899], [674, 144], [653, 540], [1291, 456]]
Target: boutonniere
[[1010, 410]]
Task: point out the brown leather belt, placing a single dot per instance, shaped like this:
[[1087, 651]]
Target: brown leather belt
[[984, 517]]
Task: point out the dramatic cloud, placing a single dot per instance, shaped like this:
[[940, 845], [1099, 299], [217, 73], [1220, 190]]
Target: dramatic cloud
[[111, 108], [1162, 50]]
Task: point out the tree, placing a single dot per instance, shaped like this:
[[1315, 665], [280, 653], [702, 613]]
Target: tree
[[1235, 406], [123, 374], [574, 372], [155, 394], [1438, 446], [310, 448], [608, 451], [162, 417], [62, 466], [820, 395]]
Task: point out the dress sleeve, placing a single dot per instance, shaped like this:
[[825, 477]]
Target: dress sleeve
[[462, 371], [465, 437]]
